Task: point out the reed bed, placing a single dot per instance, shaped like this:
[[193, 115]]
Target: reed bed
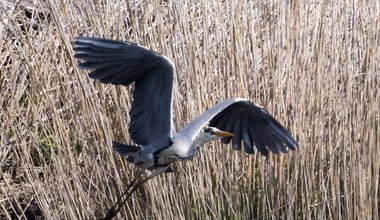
[[315, 65]]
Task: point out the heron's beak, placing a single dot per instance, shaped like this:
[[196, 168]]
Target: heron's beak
[[224, 134]]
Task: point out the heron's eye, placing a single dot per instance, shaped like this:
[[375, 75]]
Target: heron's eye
[[207, 130]]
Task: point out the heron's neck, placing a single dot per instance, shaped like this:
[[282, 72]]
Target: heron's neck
[[201, 139]]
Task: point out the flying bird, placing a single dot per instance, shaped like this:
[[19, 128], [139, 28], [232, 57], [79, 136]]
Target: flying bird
[[236, 121]]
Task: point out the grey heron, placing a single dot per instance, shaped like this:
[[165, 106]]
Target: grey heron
[[158, 145]]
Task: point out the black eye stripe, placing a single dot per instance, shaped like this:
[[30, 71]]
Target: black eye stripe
[[208, 129]]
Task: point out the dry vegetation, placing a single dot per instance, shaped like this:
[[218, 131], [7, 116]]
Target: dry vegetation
[[314, 65]]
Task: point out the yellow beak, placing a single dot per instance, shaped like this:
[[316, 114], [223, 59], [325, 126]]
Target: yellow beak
[[224, 134]]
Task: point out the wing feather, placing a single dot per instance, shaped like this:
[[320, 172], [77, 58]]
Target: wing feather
[[236, 139], [257, 140]]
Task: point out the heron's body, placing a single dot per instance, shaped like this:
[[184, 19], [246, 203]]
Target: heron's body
[[237, 121], [179, 147]]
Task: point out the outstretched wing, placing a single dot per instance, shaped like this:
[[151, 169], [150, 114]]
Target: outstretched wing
[[122, 63], [253, 126]]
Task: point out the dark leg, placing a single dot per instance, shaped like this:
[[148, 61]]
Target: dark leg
[[112, 212]]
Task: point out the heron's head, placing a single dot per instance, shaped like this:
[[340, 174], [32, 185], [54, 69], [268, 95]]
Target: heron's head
[[212, 133]]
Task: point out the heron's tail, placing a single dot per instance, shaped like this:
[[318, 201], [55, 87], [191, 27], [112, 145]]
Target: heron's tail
[[124, 149], [131, 152]]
